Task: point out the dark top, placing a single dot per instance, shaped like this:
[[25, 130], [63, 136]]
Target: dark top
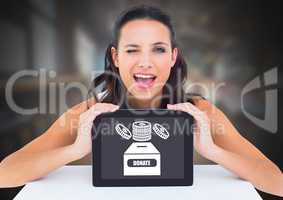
[[164, 102]]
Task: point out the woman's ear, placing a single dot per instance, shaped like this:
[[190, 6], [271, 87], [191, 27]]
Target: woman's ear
[[174, 56], [114, 54]]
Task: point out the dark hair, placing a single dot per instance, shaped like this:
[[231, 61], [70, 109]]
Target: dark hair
[[112, 86]]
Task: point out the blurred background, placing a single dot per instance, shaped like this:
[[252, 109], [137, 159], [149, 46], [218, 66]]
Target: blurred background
[[223, 41]]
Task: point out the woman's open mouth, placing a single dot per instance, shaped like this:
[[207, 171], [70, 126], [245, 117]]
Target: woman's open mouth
[[144, 81]]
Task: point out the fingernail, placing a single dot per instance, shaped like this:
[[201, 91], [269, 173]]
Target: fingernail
[[115, 108]]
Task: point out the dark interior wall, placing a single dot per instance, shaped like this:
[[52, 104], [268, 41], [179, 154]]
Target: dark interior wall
[[223, 41]]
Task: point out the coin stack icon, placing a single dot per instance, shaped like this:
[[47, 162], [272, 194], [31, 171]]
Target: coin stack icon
[[141, 131]]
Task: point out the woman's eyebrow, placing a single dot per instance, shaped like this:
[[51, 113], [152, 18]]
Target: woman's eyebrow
[[160, 43], [153, 44], [132, 45]]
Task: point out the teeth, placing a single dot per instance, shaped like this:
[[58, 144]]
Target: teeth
[[144, 76]]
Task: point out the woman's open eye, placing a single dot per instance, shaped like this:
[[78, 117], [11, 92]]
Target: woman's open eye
[[160, 49]]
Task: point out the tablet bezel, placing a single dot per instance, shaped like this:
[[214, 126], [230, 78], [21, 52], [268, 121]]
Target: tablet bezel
[[188, 151]]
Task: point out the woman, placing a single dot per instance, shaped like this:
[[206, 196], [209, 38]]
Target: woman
[[143, 69]]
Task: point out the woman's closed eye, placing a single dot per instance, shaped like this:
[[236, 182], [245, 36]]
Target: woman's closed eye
[[131, 50]]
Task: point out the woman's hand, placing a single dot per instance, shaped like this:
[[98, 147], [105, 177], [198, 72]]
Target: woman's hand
[[219, 123], [82, 145], [203, 141]]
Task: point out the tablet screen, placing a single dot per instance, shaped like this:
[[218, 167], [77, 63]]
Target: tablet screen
[[142, 148]]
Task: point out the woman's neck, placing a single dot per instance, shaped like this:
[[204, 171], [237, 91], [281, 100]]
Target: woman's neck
[[144, 103]]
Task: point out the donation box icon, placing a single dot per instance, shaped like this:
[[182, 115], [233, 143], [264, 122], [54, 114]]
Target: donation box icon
[[142, 158]]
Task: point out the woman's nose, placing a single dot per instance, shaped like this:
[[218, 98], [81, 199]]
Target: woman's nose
[[145, 61]]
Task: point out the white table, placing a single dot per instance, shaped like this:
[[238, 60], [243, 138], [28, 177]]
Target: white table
[[75, 182]]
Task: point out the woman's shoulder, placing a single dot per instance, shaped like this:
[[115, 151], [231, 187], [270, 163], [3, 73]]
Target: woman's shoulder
[[86, 104], [193, 98], [207, 106], [81, 107], [199, 101]]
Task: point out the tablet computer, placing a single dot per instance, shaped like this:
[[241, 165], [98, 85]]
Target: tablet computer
[[142, 148]]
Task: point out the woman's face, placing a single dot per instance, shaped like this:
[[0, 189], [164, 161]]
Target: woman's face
[[144, 57]]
